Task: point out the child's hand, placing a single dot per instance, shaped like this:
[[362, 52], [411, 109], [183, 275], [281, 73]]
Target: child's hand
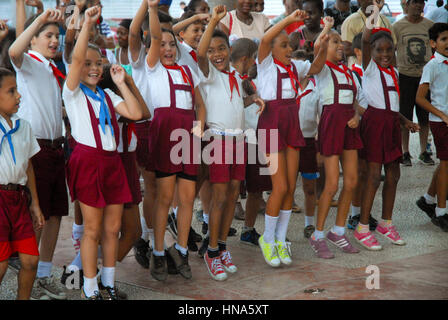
[[445, 119], [329, 22], [3, 30], [219, 12], [197, 130], [411, 126], [80, 4], [298, 15], [353, 122], [51, 15], [118, 74], [153, 3], [259, 102], [204, 17], [92, 15], [34, 3], [37, 217], [379, 4]]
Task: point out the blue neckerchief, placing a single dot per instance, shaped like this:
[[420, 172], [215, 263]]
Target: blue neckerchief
[[8, 136], [104, 110]]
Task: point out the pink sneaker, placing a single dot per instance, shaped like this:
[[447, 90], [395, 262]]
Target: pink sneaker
[[321, 248], [226, 261], [76, 244], [391, 234], [367, 240], [341, 242], [215, 268]]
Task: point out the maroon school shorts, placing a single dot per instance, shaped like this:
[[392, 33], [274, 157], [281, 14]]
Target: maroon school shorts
[[16, 226], [255, 181], [142, 151], [130, 167], [49, 169], [307, 160], [440, 132]]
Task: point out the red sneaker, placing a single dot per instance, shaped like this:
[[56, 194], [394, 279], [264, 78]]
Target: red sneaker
[[215, 268]]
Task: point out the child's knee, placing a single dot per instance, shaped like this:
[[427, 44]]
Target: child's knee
[[92, 233], [375, 179], [29, 262], [331, 187], [164, 198]]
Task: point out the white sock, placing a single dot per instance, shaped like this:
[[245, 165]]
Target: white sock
[[318, 235], [181, 249], [145, 230], [44, 269], [309, 221], [90, 286], [158, 253], [270, 225], [108, 276], [355, 211], [429, 199], [151, 238], [282, 225], [77, 231], [76, 264], [205, 217], [439, 212], [175, 212], [338, 230]]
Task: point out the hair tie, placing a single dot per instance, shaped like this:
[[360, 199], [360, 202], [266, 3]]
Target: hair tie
[[375, 30]]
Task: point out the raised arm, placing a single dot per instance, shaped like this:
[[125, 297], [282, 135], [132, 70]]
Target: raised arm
[[135, 40], [20, 46], [219, 12], [20, 17], [367, 32], [266, 42], [72, 28], [156, 34], [131, 107], [181, 25], [79, 52], [36, 4]]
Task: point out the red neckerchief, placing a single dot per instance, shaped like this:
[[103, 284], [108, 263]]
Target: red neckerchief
[[184, 75], [232, 82], [344, 70], [194, 56], [390, 71], [291, 74], [246, 77], [357, 70], [131, 130], [56, 72], [444, 61]]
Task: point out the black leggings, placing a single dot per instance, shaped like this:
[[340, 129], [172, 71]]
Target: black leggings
[[408, 91]]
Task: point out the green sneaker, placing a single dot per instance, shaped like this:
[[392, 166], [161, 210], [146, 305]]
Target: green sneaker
[[269, 251], [284, 252]]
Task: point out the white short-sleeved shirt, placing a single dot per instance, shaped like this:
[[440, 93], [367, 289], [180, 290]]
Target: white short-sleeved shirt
[[223, 113], [374, 92], [325, 84], [260, 23], [41, 103], [132, 145], [140, 77], [79, 116], [159, 89], [435, 73], [185, 58], [25, 147], [267, 78], [309, 110]]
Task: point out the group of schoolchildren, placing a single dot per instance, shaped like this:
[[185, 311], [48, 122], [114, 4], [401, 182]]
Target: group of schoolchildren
[[189, 79]]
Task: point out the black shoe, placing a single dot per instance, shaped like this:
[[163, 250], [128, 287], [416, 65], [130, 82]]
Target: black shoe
[[192, 246], [204, 228], [373, 223], [308, 231], [353, 221], [68, 279], [250, 237], [196, 237], [203, 249], [180, 262], [141, 248], [172, 224], [109, 293], [426, 159], [171, 266], [232, 232], [429, 209], [96, 295], [406, 161], [441, 222], [158, 267]]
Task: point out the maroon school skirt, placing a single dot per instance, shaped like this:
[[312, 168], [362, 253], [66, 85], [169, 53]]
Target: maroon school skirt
[[333, 132], [307, 160], [255, 181], [130, 167], [97, 178], [165, 121], [142, 151], [281, 115], [381, 135], [440, 132]]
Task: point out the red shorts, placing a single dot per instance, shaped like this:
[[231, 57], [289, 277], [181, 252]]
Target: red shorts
[[16, 226], [255, 181], [307, 160], [142, 151], [440, 132], [49, 169], [130, 167], [230, 164]]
